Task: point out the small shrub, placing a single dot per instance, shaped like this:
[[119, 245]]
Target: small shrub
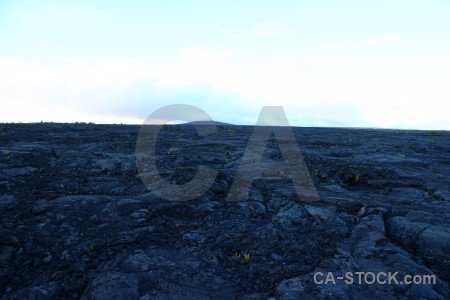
[[246, 256]]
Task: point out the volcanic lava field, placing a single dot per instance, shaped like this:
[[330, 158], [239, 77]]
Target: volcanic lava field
[[77, 222]]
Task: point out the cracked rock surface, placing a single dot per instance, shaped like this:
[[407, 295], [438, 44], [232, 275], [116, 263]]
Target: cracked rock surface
[[77, 222]]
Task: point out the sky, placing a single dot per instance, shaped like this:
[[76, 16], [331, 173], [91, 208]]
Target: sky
[[379, 64]]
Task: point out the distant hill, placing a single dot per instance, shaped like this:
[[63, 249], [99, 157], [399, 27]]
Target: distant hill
[[210, 122]]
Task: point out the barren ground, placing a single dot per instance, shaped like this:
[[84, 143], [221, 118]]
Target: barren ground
[[77, 221]]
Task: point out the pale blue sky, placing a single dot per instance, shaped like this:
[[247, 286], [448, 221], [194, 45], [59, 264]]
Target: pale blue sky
[[328, 63]]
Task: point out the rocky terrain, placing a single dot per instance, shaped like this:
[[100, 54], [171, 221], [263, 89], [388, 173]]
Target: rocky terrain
[[77, 222]]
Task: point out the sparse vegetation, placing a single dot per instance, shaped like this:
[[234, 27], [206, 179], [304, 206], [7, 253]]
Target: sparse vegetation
[[245, 256]]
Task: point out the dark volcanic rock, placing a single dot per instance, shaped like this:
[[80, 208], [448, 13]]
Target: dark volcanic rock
[[78, 222]]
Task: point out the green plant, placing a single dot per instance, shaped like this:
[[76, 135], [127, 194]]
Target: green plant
[[30, 149], [6, 152], [431, 142], [400, 155], [174, 149], [356, 178], [246, 256]]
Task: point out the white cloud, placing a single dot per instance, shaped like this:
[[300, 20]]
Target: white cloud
[[325, 88], [314, 90], [34, 92]]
